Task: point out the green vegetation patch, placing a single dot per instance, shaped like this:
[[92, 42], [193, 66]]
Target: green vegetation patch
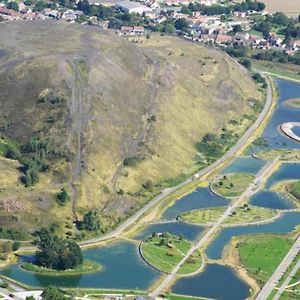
[[285, 154], [262, 254], [293, 102], [232, 185], [165, 251], [294, 189], [243, 214], [86, 267]]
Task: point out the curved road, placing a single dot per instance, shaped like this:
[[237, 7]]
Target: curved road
[[242, 141]]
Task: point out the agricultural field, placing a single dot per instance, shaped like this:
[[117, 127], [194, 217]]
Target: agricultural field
[[242, 215], [261, 255], [165, 251], [232, 185]]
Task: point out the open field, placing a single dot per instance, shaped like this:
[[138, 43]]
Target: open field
[[166, 251], [261, 255], [232, 185], [242, 215], [289, 7]]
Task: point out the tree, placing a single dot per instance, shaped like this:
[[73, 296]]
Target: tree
[[91, 221], [237, 28], [13, 5], [39, 5], [53, 293], [56, 253], [246, 63], [16, 245], [182, 24], [62, 197], [29, 298]]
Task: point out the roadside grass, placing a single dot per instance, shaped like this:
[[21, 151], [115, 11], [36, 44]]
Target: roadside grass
[[243, 214], [261, 255], [165, 251], [232, 185], [86, 267], [286, 70]]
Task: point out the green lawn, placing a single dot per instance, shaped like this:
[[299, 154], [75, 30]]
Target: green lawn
[[262, 254], [232, 185], [243, 214], [285, 154], [165, 252]]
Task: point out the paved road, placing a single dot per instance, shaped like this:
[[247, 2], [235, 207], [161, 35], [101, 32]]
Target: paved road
[[166, 282], [243, 140], [281, 269]]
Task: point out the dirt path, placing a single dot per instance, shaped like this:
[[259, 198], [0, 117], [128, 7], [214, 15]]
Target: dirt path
[[80, 115], [143, 130]]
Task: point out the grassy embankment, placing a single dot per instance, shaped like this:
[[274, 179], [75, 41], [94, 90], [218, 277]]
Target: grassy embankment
[[232, 185], [243, 214], [166, 251], [261, 255], [85, 268]]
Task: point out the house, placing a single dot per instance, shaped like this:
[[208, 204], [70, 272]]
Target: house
[[223, 39], [105, 3], [132, 7], [132, 30]]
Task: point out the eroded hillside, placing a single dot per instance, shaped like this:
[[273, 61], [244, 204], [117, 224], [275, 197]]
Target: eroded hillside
[[110, 120]]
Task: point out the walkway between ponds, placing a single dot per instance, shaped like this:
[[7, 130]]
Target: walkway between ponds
[[166, 282]]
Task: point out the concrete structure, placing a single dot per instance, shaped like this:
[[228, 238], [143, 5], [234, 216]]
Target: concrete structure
[[133, 7], [287, 129]]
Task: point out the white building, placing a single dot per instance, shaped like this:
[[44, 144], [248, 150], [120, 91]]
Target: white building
[[133, 7]]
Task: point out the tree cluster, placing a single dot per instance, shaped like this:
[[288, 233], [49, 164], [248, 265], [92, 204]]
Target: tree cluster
[[57, 253]]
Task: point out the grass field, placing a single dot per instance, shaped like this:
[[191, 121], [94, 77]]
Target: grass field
[[232, 185], [289, 7], [86, 267], [166, 251], [286, 70], [243, 214], [261, 255]]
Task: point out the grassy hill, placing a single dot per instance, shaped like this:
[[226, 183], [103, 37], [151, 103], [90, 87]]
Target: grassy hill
[[110, 120]]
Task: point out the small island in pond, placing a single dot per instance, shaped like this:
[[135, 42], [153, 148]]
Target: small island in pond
[[164, 251], [57, 256]]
